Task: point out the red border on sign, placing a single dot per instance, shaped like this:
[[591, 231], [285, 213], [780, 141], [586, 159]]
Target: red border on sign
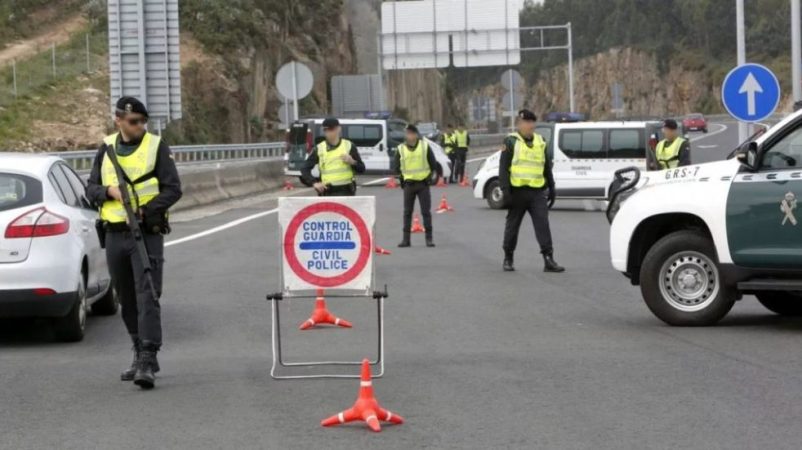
[[317, 280]]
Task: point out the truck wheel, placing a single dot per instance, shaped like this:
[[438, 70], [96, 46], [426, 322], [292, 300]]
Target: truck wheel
[[304, 182], [107, 305], [680, 281], [782, 303], [494, 195], [71, 327]]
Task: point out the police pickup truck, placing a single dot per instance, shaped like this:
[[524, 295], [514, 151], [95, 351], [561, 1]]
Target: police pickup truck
[[698, 238]]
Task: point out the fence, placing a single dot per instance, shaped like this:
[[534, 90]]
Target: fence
[[24, 77]]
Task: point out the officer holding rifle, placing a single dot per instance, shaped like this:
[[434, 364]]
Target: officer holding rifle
[[134, 181]]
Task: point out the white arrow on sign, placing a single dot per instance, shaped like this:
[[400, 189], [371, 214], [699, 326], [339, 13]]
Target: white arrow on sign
[[750, 88]]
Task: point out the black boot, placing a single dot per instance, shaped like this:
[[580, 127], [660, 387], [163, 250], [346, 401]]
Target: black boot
[[128, 375], [429, 241], [404, 241], [550, 265], [508, 267], [146, 371]]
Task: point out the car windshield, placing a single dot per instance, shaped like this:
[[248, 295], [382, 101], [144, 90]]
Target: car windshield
[[17, 191]]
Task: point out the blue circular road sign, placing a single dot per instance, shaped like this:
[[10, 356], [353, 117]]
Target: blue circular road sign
[[750, 92]]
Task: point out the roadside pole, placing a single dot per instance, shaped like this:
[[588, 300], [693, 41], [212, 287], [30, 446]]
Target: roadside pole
[[796, 51], [743, 130], [571, 67]]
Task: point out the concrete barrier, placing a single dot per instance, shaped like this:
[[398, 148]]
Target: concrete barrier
[[203, 185]]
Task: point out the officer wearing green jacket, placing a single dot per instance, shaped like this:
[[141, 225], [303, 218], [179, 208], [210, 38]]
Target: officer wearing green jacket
[[526, 178], [449, 143], [415, 162], [338, 161], [154, 186], [673, 151]]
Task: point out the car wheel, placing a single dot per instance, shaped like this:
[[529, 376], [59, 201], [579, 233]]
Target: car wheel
[[71, 327], [680, 281], [304, 182], [107, 305], [782, 303], [494, 195]]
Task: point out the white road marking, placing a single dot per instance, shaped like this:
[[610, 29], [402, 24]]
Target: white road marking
[[220, 228], [705, 136], [706, 146]]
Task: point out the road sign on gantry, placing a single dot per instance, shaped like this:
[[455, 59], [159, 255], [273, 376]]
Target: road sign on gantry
[[327, 243], [750, 92]]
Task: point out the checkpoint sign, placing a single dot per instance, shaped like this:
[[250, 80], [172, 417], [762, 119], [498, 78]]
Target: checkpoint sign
[[750, 92], [327, 242]]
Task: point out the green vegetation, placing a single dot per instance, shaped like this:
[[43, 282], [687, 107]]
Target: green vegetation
[[16, 19]]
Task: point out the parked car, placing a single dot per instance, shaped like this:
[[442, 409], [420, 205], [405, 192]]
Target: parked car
[[586, 156], [695, 122], [51, 263], [376, 140], [429, 130]]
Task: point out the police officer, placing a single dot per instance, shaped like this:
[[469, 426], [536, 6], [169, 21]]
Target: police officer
[[449, 144], [462, 140], [673, 151], [525, 175], [338, 160], [153, 186], [415, 163]]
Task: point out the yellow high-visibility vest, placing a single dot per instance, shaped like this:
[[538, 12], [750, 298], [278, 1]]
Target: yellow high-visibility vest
[[414, 163], [668, 156], [528, 162], [449, 141], [462, 138], [333, 170], [138, 164]]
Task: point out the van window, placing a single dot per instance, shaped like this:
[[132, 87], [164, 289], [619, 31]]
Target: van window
[[363, 135], [583, 144], [626, 144]]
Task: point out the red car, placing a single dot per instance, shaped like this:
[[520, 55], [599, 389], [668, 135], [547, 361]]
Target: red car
[[695, 122]]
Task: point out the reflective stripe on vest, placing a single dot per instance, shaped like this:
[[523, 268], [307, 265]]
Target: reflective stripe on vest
[[414, 163], [333, 170], [136, 165], [461, 138], [668, 157], [449, 141], [528, 162]]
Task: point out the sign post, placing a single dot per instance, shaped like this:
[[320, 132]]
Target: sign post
[[326, 245]]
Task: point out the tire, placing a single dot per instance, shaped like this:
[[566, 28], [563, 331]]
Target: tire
[[783, 303], [71, 327], [304, 182], [108, 305], [494, 195], [672, 263]]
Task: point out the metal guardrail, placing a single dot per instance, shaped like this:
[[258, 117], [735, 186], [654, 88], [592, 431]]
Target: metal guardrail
[[191, 154]]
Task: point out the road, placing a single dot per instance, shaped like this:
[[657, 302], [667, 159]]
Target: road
[[476, 358]]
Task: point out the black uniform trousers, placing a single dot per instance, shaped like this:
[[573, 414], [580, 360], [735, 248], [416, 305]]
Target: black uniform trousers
[[461, 159], [453, 158], [141, 312], [421, 191], [348, 190], [533, 201]]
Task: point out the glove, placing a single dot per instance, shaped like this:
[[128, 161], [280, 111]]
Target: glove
[[154, 222], [551, 196]]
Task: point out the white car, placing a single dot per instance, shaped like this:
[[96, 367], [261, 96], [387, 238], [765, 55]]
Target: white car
[[698, 238], [51, 263], [586, 156], [376, 141]]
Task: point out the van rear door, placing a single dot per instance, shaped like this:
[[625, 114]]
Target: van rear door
[[299, 143]]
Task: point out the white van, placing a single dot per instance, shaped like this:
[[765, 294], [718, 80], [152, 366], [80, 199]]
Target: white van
[[586, 156], [376, 140]]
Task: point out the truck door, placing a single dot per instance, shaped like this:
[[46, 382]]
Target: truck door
[[764, 209]]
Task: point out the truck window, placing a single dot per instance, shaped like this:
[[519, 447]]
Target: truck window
[[785, 153], [583, 144], [626, 144]]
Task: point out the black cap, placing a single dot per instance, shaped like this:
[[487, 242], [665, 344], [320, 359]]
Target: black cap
[[527, 115], [330, 122], [412, 128], [131, 105], [671, 124]]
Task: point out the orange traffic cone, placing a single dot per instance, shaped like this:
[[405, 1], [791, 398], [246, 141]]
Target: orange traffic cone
[[441, 182], [382, 251], [288, 185], [321, 315], [366, 406], [416, 226], [464, 181], [391, 184], [444, 206]]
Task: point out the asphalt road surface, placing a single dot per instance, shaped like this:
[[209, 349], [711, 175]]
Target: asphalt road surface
[[476, 358]]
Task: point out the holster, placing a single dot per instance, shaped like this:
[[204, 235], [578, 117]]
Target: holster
[[100, 227]]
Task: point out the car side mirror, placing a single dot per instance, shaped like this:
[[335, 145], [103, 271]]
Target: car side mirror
[[748, 157]]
